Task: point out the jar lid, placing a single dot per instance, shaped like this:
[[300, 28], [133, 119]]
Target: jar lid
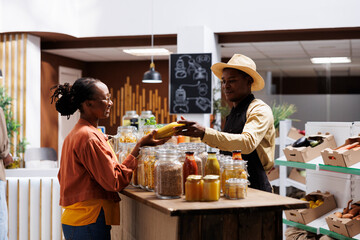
[[189, 152], [146, 112], [211, 177], [131, 112], [236, 151], [194, 178], [211, 152]]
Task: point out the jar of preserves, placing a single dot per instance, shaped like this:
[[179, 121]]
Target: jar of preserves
[[236, 188], [194, 188], [189, 167], [131, 118], [145, 115], [127, 134], [211, 188], [225, 168], [168, 174], [236, 155], [212, 166]]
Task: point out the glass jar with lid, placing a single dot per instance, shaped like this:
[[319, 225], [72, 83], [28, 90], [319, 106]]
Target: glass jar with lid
[[236, 188], [145, 130], [141, 167], [194, 188], [236, 155], [149, 167], [190, 167], [211, 189], [168, 174], [145, 115], [127, 134], [131, 118]]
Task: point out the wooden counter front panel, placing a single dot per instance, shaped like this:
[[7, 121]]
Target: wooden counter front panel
[[259, 225]]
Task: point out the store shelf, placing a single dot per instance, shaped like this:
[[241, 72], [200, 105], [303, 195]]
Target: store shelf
[[319, 226], [325, 230], [281, 161], [354, 169], [296, 184]]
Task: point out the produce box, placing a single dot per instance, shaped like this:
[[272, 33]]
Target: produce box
[[274, 174], [294, 134], [296, 176], [305, 216], [306, 154], [344, 156], [344, 226]]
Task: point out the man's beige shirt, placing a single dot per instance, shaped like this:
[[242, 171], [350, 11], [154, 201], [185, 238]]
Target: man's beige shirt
[[4, 144], [258, 133]]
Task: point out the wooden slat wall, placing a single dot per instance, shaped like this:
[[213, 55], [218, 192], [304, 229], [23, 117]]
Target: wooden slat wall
[[13, 66], [133, 98]]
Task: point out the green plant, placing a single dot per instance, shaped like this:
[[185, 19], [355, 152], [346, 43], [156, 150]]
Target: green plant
[[282, 111], [219, 106], [11, 125]]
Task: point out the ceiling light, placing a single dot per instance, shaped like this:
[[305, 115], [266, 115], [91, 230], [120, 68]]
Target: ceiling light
[[148, 51], [322, 60]]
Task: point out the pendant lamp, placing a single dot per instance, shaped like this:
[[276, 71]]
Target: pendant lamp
[[0, 74], [152, 76]]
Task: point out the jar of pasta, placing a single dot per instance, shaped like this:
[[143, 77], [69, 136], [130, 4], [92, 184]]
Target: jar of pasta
[[211, 189], [194, 188], [168, 174], [149, 166], [127, 134]]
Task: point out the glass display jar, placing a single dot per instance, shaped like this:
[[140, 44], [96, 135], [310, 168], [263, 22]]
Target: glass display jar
[[189, 167], [236, 188], [143, 117], [194, 188], [149, 165], [212, 166], [168, 174], [131, 118], [141, 167], [145, 130], [224, 169], [211, 188], [127, 134], [202, 154]]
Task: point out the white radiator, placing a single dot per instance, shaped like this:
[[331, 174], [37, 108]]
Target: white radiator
[[33, 208]]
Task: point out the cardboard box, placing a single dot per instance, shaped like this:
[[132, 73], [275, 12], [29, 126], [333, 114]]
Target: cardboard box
[[305, 216], [294, 134], [274, 174], [342, 158], [295, 175], [306, 154], [344, 226]]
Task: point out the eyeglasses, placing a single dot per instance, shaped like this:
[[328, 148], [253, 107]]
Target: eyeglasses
[[107, 99]]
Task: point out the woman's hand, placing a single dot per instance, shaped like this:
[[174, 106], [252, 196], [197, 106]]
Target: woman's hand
[[148, 140], [192, 129]]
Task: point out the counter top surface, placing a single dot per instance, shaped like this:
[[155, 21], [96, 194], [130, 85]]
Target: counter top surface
[[255, 200], [31, 172]]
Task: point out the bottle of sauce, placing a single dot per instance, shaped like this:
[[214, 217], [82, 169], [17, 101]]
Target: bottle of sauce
[[212, 166], [236, 155], [189, 167]]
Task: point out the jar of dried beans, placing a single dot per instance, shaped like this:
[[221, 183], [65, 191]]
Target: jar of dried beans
[[168, 174]]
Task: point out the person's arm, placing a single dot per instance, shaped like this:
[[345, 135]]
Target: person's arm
[[258, 122]]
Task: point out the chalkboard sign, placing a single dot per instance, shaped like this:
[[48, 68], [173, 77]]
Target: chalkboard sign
[[190, 83]]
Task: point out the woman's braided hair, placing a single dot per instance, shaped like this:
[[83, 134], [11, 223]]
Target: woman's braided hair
[[68, 98]]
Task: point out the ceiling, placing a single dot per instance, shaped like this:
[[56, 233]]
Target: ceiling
[[287, 58]]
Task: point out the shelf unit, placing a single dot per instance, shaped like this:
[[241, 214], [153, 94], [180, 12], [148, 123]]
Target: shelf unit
[[341, 132]]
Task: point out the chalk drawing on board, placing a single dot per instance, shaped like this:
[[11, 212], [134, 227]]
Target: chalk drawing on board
[[193, 69], [181, 100], [180, 69]]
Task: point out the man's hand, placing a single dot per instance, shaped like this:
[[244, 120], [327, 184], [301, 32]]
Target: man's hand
[[8, 160], [192, 129]]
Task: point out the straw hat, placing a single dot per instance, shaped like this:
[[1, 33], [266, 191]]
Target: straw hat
[[243, 63]]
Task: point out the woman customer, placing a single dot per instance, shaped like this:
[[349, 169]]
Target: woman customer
[[90, 175]]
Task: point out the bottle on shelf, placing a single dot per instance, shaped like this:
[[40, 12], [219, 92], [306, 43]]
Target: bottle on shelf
[[236, 155], [189, 167]]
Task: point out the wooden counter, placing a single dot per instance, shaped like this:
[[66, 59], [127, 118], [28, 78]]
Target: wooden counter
[[259, 216]]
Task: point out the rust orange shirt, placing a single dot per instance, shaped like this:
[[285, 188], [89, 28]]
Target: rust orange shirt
[[89, 168]]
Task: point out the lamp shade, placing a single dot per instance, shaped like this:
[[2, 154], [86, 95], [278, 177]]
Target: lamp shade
[[0, 73], [152, 76]]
